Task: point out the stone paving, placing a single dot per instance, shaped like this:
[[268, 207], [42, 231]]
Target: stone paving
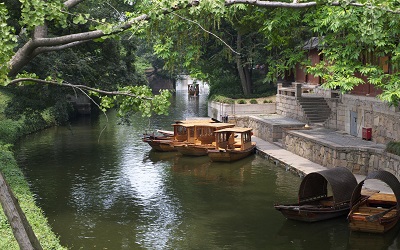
[[302, 166], [338, 139]]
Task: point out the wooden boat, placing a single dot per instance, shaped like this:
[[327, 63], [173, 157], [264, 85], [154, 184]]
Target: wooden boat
[[193, 89], [202, 139], [315, 202], [168, 139], [378, 212], [232, 144]]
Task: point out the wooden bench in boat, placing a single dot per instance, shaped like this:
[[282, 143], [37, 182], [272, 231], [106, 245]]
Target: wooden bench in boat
[[382, 199], [364, 211]]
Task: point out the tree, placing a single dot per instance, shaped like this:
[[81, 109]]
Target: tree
[[378, 18]]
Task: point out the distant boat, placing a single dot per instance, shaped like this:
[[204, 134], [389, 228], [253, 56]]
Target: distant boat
[[193, 89], [202, 139], [232, 144], [378, 212], [315, 204]]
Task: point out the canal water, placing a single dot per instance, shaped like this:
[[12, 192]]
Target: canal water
[[101, 187]]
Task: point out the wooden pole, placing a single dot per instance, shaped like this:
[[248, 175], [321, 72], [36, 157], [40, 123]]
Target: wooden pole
[[22, 231]]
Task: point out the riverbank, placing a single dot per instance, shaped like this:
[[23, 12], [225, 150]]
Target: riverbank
[[301, 166], [10, 131]]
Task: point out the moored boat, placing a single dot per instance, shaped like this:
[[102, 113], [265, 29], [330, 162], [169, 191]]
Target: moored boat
[[167, 141], [232, 144], [378, 212], [201, 139], [315, 202]]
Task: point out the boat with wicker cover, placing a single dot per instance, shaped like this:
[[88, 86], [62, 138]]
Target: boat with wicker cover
[[315, 202], [378, 212]]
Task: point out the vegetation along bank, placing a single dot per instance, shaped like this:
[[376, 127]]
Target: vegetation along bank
[[10, 131]]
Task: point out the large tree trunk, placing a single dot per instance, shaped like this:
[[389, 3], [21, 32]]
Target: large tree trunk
[[243, 70], [23, 232]]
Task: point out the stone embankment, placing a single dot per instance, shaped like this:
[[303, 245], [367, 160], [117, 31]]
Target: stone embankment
[[324, 147]]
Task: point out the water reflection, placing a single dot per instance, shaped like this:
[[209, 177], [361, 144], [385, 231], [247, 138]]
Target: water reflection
[[113, 192], [361, 241]]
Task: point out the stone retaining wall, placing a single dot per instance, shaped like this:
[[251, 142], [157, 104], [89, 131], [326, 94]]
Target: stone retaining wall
[[261, 128], [289, 107], [359, 160], [384, 120], [371, 112]]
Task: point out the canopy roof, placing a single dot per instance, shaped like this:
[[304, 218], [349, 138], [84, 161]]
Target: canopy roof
[[205, 124], [234, 130], [383, 176], [315, 185]]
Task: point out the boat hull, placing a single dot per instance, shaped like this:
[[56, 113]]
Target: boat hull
[[230, 155], [310, 214], [192, 150], [163, 145]]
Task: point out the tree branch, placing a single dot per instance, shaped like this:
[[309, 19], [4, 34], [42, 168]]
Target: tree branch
[[26, 52], [72, 3], [56, 48], [80, 87], [296, 5], [271, 4]]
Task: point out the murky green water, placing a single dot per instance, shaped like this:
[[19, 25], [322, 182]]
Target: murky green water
[[102, 188]]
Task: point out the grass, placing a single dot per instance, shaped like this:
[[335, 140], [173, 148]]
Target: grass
[[393, 147], [9, 132]]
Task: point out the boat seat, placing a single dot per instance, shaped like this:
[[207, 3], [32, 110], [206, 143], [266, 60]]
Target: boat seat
[[382, 200]]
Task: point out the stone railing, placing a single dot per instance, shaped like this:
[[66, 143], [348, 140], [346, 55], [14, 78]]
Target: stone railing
[[218, 110]]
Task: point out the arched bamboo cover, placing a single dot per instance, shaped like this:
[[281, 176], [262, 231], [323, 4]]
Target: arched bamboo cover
[[315, 185], [383, 176]]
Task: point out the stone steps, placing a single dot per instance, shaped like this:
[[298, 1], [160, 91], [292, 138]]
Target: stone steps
[[315, 109]]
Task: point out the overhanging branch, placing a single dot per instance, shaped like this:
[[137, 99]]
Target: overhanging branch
[[297, 5], [80, 87]]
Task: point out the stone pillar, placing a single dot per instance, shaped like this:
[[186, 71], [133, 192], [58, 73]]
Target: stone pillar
[[279, 87], [298, 90]]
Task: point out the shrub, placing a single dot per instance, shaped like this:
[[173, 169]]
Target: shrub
[[223, 99], [253, 101], [393, 147], [9, 131], [241, 101], [267, 101]]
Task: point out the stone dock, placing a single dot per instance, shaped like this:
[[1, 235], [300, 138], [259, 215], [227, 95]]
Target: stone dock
[[298, 165]]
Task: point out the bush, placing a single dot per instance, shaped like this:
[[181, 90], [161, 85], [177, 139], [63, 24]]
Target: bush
[[241, 101], [9, 131], [393, 147], [253, 101], [267, 101], [223, 99]]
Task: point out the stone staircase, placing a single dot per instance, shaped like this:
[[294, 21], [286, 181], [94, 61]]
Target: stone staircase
[[316, 109]]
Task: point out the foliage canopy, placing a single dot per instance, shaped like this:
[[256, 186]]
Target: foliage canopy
[[207, 39]]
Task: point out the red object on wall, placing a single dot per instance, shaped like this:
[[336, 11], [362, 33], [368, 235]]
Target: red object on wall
[[366, 133]]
